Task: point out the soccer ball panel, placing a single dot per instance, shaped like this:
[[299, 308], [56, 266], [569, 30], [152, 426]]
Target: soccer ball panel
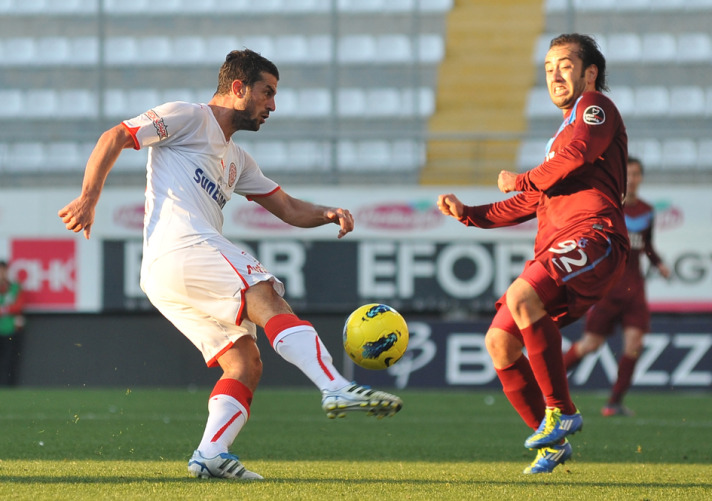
[[375, 336]]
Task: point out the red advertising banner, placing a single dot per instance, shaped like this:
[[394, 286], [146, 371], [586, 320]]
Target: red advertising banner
[[46, 268]]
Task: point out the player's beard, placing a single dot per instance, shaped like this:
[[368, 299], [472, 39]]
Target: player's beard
[[244, 120]]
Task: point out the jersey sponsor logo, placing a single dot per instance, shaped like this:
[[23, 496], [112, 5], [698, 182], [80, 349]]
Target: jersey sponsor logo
[[158, 124], [210, 187], [400, 216], [594, 115], [232, 175]]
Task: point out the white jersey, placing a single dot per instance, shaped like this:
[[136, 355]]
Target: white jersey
[[192, 172]]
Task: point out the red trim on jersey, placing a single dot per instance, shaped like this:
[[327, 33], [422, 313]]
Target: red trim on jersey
[[133, 131], [321, 362], [238, 319], [282, 322], [253, 196]]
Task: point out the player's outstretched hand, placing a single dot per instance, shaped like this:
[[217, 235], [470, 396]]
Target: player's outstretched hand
[[78, 215], [450, 205], [343, 218], [506, 181]]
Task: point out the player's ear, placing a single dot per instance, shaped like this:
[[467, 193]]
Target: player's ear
[[591, 74], [238, 88]]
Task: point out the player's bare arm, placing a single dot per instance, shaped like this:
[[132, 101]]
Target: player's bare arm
[[305, 214], [78, 215], [506, 181], [450, 205]]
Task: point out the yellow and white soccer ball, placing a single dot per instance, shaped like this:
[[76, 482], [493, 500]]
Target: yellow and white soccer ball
[[375, 336]]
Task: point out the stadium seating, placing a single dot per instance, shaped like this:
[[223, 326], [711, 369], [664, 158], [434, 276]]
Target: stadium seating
[[659, 55]]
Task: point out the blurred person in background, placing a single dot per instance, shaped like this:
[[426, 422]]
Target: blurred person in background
[[214, 292], [580, 249], [626, 304], [12, 324]]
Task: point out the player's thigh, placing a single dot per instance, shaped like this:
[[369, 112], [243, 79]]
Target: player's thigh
[[588, 263], [211, 336], [602, 317], [211, 277]]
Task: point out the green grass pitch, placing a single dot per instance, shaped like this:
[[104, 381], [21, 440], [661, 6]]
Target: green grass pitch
[[87, 444]]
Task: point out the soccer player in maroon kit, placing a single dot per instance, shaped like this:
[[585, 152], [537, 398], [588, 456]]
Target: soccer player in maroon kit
[[626, 303], [580, 249]]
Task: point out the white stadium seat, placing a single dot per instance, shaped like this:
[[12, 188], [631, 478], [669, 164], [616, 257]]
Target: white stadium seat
[[648, 150], [18, 51], [595, 5], [624, 99], [120, 50], [704, 154], [188, 49], [40, 103], [77, 103], [695, 47], [531, 153], [352, 102], [12, 103], [651, 101], [63, 155], [658, 47], [623, 47], [539, 104], [679, 153], [357, 49], [687, 100], [632, 5]]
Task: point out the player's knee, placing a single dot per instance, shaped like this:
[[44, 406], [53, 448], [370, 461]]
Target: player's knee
[[589, 343], [503, 348], [524, 303]]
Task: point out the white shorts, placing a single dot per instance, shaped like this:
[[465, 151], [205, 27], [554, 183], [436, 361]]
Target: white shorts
[[200, 290]]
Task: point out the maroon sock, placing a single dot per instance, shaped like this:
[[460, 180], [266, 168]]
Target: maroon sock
[[571, 358], [522, 391], [626, 367], [543, 342]]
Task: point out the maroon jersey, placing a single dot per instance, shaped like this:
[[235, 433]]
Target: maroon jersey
[[581, 182], [639, 219]]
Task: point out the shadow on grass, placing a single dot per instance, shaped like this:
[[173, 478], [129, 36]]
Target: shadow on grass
[[535, 480]]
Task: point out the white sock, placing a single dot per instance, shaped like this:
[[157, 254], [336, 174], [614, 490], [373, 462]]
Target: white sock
[[301, 346], [226, 417]]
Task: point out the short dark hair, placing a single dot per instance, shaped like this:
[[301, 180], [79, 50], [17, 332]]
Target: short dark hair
[[636, 160], [589, 52], [245, 65]]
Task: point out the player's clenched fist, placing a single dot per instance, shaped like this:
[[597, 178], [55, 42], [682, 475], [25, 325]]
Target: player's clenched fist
[[450, 205], [343, 218], [78, 215]]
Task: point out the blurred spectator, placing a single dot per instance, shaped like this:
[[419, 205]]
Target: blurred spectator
[[11, 326]]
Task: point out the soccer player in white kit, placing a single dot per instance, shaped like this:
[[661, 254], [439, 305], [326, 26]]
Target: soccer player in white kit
[[213, 292]]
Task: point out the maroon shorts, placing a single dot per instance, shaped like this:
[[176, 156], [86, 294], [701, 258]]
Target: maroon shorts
[[628, 310], [570, 277]]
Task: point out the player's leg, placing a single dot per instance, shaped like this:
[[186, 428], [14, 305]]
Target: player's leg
[[588, 343], [228, 412], [601, 321], [542, 339], [297, 342], [504, 345], [632, 347]]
